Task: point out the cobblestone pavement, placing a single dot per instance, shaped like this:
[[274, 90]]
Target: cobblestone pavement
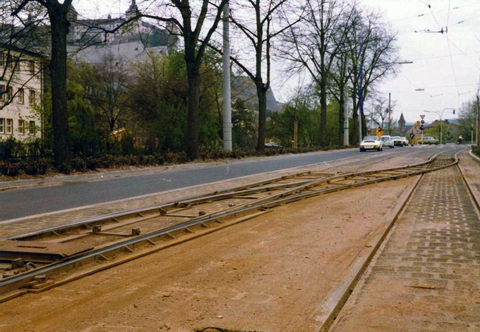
[[427, 276]]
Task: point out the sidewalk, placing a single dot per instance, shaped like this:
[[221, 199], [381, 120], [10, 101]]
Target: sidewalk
[[427, 275]]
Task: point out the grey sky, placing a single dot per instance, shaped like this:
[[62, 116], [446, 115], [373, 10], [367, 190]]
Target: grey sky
[[446, 66]]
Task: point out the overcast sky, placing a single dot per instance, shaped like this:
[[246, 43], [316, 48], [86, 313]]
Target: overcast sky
[[445, 66]]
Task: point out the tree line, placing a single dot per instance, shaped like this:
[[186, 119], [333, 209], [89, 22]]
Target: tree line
[[173, 102]]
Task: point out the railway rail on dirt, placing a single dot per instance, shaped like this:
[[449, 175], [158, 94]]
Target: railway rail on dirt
[[337, 301], [35, 261]]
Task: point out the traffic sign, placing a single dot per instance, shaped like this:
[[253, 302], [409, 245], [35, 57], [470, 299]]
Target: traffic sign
[[422, 121], [422, 116]]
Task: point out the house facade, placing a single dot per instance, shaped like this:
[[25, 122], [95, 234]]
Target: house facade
[[21, 88]]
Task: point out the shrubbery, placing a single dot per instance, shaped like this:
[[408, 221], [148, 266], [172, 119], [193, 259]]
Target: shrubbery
[[476, 150]]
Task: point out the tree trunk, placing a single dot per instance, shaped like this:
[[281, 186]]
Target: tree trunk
[[323, 111], [262, 116], [365, 130], [193, 72], [341, 121], [355, 129], [58, 74]]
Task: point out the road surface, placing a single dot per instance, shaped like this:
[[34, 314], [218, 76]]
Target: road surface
[[31, 201]]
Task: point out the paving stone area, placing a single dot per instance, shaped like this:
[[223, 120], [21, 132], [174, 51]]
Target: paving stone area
[[427, 277]]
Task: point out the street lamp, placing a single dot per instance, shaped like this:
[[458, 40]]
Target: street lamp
[[440, 114]]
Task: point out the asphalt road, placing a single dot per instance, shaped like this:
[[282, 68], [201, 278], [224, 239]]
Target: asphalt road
[[31, 201]]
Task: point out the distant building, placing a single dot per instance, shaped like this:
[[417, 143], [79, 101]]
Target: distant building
[[21, 89], [130, 42], [401, 124], [243, 88]]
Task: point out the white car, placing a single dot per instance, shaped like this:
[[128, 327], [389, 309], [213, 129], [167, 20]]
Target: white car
[[405, 141], [371, 143], [387, 141], [397, 141]]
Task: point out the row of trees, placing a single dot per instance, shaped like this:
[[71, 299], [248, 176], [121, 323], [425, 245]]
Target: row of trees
[[467, 121], [345, 51]]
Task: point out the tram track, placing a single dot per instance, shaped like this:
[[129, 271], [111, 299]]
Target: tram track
[[337, 300], [203, 215]]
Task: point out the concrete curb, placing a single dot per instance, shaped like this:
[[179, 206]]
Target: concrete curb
[[473, 156]]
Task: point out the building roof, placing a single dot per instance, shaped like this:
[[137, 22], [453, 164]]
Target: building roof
[[401, 120]]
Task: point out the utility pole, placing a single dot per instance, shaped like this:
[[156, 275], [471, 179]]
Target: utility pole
[[389, 111], [227, 99], [295, 134], [371, 121], [346, 123], [478, 124]]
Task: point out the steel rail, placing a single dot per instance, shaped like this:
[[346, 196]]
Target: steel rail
[[342, 295], [21, 280], [216, 195], [152, 209]]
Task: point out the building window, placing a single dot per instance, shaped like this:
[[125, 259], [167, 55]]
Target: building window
[[9, 127], [31, 67], [21, 127], [21, 96], [31, 98], [32, 128], [2, 126]]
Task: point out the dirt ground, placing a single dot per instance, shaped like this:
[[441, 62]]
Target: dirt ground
[[271, 273], [233, 278]]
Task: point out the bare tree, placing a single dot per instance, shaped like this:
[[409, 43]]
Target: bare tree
[[107, 89], [340, 73], [194, 16], [315, 43], [59, 27], [259, 33], [372, 57]]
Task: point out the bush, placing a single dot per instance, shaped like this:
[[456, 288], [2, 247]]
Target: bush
[[476, 150], [10, 169], [79, 164], [92, 163], [42, 166], [64, 168]]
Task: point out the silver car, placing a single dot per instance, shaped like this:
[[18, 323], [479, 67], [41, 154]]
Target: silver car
[[387, 141]]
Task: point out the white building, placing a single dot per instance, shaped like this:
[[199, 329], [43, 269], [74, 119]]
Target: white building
[[21, 87], [129, 42]]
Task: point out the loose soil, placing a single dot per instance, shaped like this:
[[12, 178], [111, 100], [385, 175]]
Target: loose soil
[[271, 273]]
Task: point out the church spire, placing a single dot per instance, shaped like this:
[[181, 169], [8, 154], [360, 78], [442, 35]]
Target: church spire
[[132, 10]]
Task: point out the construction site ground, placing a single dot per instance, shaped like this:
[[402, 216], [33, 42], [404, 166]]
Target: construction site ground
[[271, 273]]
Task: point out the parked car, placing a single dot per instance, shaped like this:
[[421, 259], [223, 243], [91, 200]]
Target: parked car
[[387, 141], [397, 141], [428, 140], [371, 143], [405, 141]]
